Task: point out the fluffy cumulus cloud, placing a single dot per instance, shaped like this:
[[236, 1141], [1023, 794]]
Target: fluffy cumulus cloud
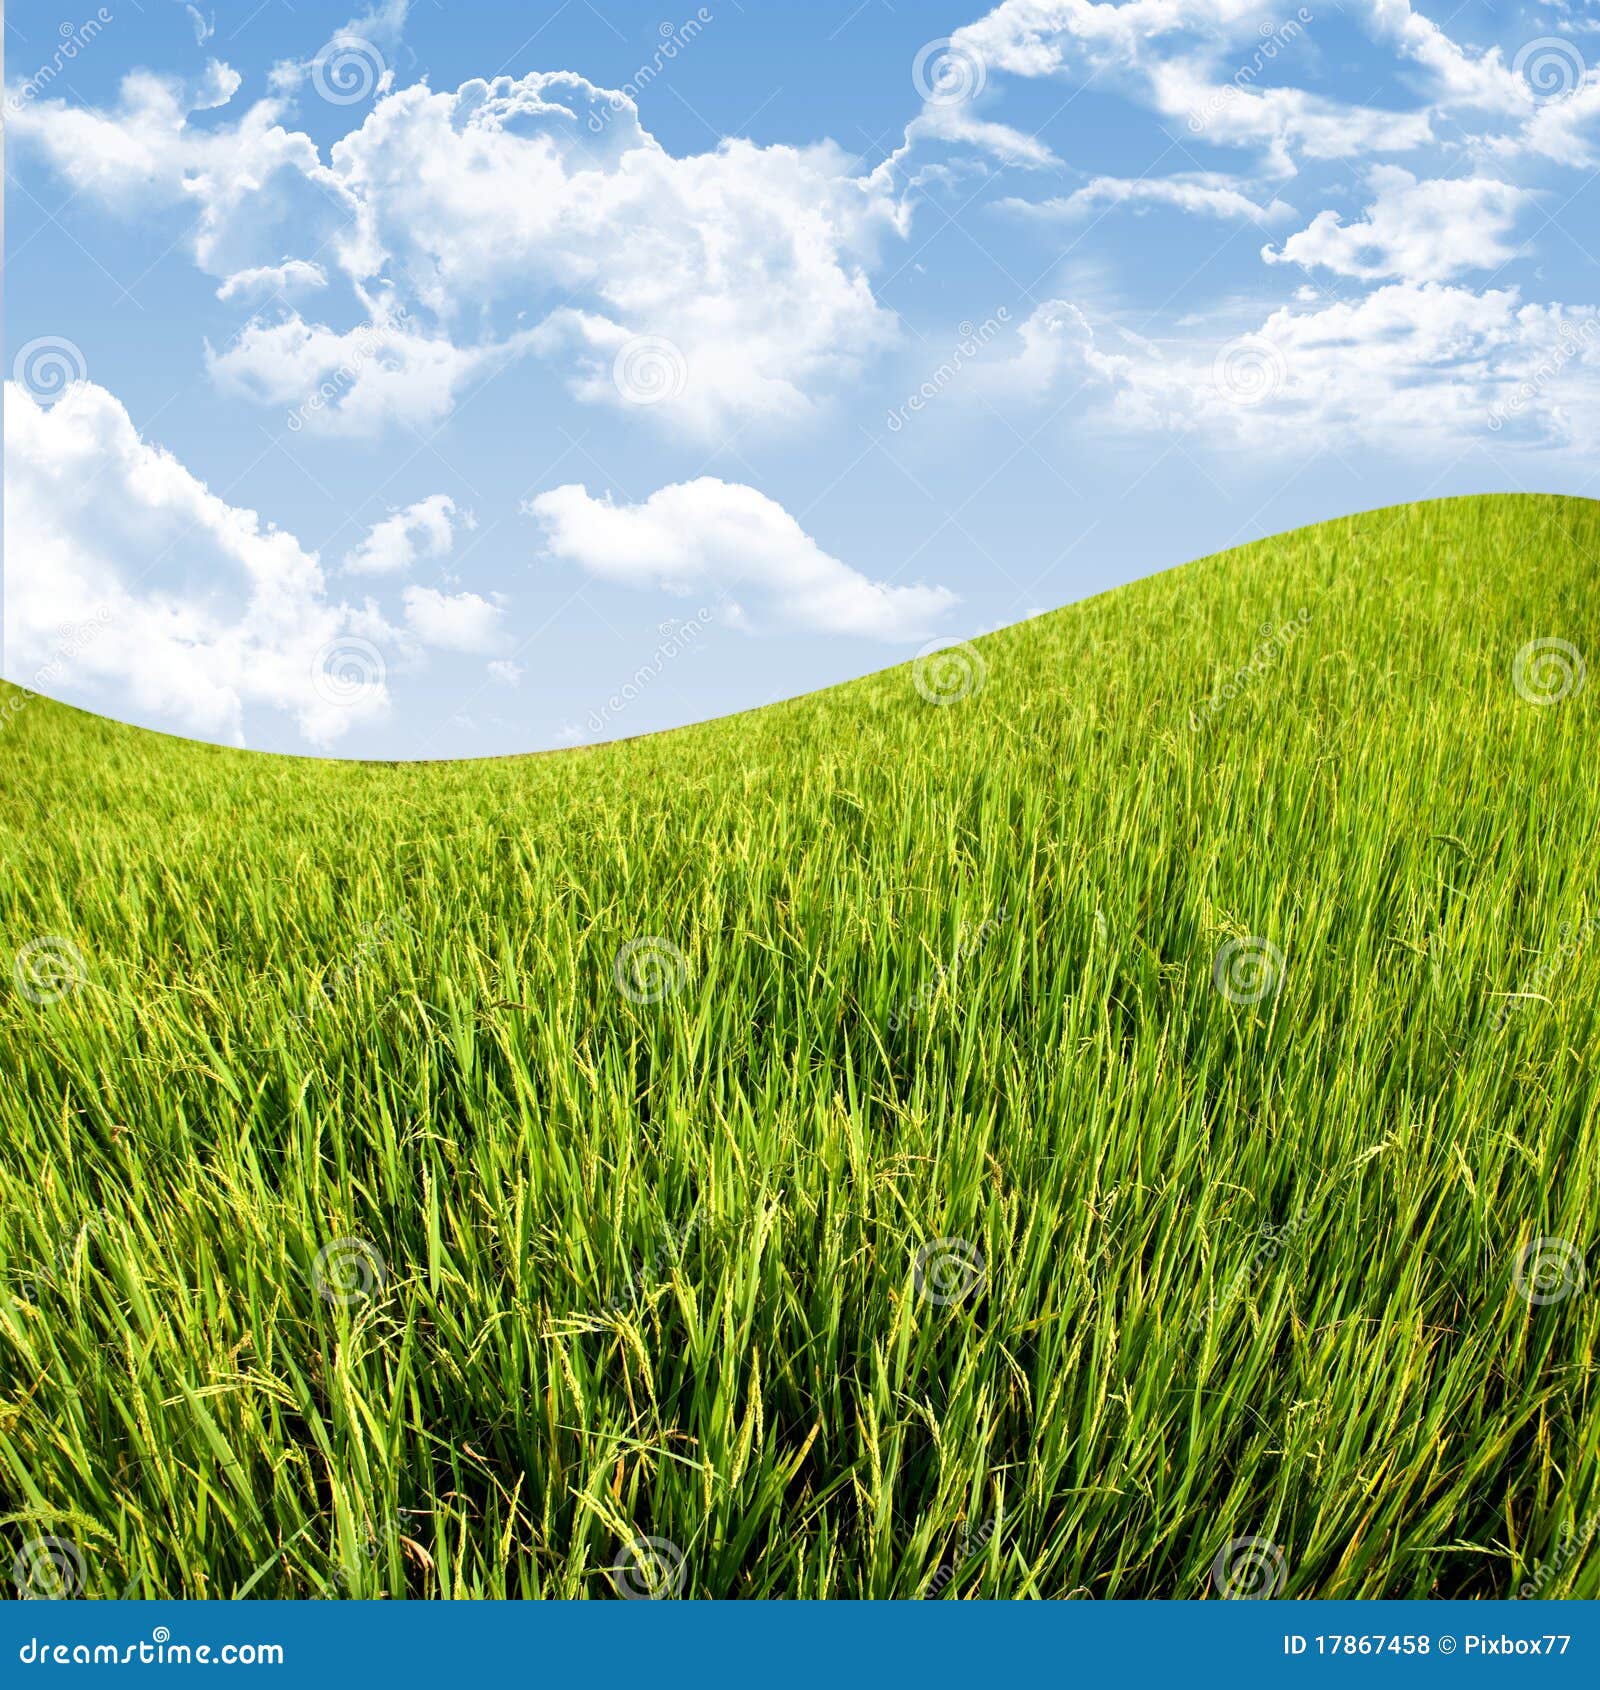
[[533, 225], [472, 225], [426, 529], [544, 198], [1232, 73], [1565, 128], [711, 536], [130, 584], [383, 374], [535, 220], [1422, 231], [250, 191], [1406, 365], [452, 621], [271, 220]]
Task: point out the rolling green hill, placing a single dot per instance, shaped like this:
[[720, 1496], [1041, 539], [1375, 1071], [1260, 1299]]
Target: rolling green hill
[[1110, 1111]]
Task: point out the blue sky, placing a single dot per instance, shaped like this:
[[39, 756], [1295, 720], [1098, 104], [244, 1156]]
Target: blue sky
[[450, 381]]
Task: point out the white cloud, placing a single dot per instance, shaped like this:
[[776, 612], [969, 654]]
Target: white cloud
[[1203, 193], [201, 609], [356, 58], [960, 125], [1290, 124], [1463, 78], [356, 383], [505, 673], [204, 24], [294, 275], [452, 621], [507, 199], [1217, 65], [425, 529], [1050, 37], [1566, 128], [1233, 72], [1419, 231], [489, 211], [1057, 346], [1229, 69], [716, 536], [1407, 366], [252, 189], [1572, 21]]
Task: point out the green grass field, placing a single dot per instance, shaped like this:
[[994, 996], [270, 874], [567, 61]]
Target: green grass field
[[1043, 1140]]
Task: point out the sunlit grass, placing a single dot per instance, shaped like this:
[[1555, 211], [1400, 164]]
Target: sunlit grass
[[1221, 1269]]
